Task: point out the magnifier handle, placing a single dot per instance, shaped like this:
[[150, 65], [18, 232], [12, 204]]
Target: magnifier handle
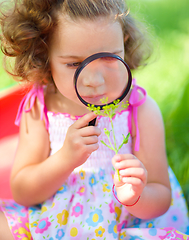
[[92, 122]]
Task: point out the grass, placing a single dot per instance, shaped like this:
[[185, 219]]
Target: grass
[[166, 77], [5, 80]]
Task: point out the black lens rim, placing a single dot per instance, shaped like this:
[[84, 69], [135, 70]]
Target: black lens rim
[[89, 60]]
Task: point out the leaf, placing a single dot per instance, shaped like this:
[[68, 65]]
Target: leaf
[[125, 141]]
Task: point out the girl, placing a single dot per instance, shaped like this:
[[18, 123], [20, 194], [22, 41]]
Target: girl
[[62, 176]]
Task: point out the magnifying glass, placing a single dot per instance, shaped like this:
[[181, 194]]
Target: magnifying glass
[[102, 76]]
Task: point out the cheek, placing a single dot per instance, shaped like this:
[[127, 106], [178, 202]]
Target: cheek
[[63, 79]]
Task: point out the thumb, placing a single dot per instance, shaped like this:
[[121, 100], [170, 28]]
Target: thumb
[[84, 121]]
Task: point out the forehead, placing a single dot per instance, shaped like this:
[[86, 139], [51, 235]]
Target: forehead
[[90, 36]]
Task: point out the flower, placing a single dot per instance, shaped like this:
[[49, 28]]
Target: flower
[[111, 206], [81, 190], [62, 189], [77, 210], [75, 231], [106, 188], [63, 217], [118, 213], [82, 174], [95, 218], [34, 224], [92, 180], [73, 179], [22, 211], [43, 209], [122, 235], [150, 225], [23, 231], [99, 232], [112, 228], [43, 225], [137, 221], [60, 234], [101, 173], [172, 233], [122, 225]]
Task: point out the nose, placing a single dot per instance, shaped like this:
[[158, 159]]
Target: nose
[[92, 75], [93, 79]]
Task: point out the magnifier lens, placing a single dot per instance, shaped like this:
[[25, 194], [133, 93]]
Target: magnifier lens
[[102, 76]]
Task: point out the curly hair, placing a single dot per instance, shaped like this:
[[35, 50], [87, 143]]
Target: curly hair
[[27, 27]]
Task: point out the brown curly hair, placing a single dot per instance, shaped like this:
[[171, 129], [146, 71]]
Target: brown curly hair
[[27, 27]]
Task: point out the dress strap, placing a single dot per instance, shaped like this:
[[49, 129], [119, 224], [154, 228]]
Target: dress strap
[[134, 103], [35, 92]]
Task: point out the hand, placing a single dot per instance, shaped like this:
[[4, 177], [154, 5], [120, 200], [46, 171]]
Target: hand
[[81, 140], [133, 177]]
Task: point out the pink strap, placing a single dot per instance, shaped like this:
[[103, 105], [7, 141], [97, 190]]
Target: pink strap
[[36, 92], [134, 102]]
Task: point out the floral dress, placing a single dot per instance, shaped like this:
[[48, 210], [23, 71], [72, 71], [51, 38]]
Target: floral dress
[[84, 207]]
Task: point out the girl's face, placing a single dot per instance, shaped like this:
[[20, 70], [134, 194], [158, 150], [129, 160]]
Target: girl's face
[[74, 41]]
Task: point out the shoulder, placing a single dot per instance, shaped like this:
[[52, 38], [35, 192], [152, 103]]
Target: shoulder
[[149, 117], [149, 109]]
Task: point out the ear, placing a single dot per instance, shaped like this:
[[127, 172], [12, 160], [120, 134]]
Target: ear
[[126, 38]]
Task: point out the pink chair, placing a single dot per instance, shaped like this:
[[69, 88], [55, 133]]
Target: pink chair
[[9, 102]]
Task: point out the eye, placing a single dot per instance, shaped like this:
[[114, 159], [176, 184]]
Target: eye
[[73, 65], [108, 59]]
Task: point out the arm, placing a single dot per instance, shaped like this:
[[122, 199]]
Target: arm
[[145, 172], [36, 176]]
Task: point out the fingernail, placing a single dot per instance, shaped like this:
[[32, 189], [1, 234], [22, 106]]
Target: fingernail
[[116, 165], [124, 179]]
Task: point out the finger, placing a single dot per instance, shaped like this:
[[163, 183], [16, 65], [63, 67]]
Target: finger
[[133, 181], [84, 121], [120, 157], [92, 147], [140, 173], [90, 140], [128, 163], [117, 181], [90, 131]]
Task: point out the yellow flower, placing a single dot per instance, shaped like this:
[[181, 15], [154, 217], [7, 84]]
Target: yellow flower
[[34, 224], [22, 230], [122, 236], [63, 217], [44, 209], [82, 174], [118, 213], [106, 187], [73, 232], [99, 232]]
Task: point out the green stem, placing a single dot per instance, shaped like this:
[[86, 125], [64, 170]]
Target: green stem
[[115, 150], [113, 135], [111, 143]]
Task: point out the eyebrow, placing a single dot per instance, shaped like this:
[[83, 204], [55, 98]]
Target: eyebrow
[[81, 57], [70, 56]]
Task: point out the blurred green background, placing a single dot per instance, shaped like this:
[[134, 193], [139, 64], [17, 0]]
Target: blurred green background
[[166, 77]]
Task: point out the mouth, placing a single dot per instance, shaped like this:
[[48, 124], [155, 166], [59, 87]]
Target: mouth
[[96, 99]]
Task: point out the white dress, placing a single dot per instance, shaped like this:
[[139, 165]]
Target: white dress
[[84, 207]]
